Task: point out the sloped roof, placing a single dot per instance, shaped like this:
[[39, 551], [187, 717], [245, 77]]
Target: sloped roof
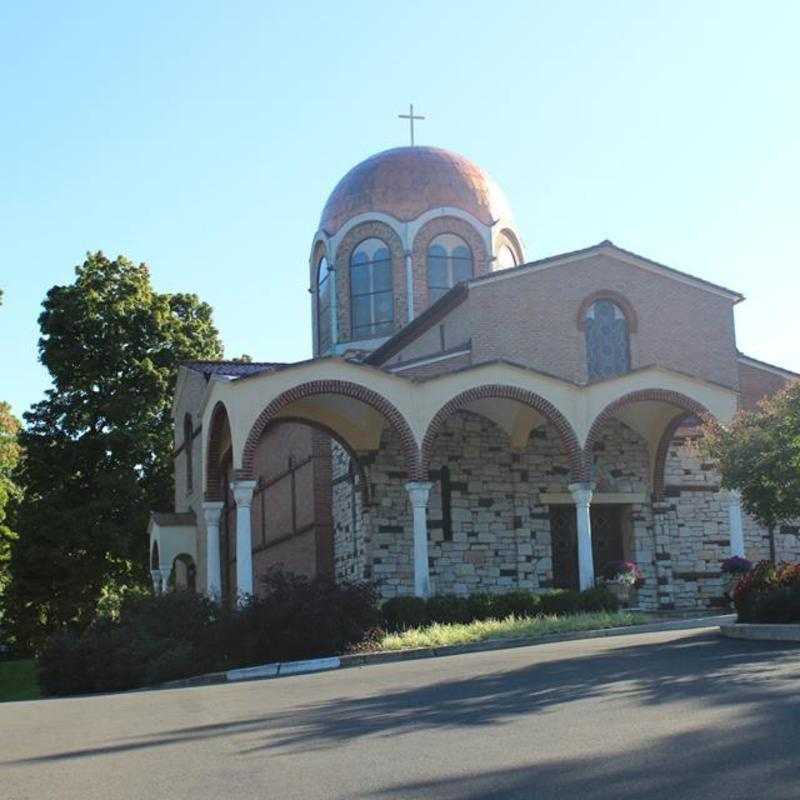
[[233, 369]]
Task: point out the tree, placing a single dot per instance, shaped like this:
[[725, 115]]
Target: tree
[[99, 446], [759, 454], [9, 491]]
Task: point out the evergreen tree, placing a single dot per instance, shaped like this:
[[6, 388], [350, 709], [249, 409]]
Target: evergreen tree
[[99, 446]]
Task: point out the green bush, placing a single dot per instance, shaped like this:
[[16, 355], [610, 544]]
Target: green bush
[[156, 639], [597, 598], [560, 601], [448, 609], [402, 613], [519, 603], [480, 606]]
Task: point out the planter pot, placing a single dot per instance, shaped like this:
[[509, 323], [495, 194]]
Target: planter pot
[[624, 592]]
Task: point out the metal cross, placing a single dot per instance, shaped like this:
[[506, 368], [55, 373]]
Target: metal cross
[[410, 117]]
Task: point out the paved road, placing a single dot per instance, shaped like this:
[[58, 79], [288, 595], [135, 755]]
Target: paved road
[[676, 715]]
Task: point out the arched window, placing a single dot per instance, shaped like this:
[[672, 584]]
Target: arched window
[[324, 333], [449, 262], [505, 257], [371, 292], [607, 340], [188, 437]]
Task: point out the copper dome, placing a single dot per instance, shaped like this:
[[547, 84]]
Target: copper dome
[[408, 181]]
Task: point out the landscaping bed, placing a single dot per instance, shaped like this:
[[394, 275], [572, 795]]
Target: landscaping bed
[[154, 640]]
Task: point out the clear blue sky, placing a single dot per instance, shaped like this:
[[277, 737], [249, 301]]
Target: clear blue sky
[[203, 138]]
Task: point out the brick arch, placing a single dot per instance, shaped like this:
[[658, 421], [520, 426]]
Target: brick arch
[[615, 297], [318, 426], [214, 489], [345, 389], [495, 391], [687, 405], [419, 251], [508, 237], [662, 453], [351, 240]]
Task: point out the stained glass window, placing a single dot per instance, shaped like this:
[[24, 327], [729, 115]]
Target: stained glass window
[[607, 340]]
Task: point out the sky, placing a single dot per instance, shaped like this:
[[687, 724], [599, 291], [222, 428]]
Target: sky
[[204, 138]]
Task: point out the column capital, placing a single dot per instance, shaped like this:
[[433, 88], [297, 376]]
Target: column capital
[[165, 573], [582, 493], [243, 492], [212, 511], [735, 497], [418, 492]]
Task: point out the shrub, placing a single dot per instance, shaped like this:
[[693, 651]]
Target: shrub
[[402, 613], [481, 606], [767, 593], [598, 598], [519, 603], [448, 609], [159, 638], [736, 565], [560, 601]]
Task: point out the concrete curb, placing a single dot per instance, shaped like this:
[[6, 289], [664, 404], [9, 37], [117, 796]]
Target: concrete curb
[[761, 633], [278, 669]]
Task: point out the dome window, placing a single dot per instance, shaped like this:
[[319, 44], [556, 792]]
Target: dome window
[[449, 262], [371, 290], [324, 337]]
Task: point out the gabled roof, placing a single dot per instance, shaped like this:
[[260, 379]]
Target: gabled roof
[[766, 366], [445, 304], [607, 247]]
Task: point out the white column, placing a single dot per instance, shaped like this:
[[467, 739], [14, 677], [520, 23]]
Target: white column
[[155, 575], [165, 573], [582, 492], [243, 494], [211, 513], [735, 523], [418, 492]]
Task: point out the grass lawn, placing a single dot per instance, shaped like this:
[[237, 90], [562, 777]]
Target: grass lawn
[[18, 680], [438, 635]]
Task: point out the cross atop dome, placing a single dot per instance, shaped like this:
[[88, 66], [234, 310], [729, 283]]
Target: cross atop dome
[[410, 117]]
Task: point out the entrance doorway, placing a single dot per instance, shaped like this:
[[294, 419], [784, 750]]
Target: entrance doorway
[[611, 525]]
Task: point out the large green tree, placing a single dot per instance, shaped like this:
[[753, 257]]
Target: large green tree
[[759, 454], [98, 447]]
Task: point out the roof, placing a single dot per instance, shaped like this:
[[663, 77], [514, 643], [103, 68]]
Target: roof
[[233, 369], [405, 182], [171, 519], [608, 247]]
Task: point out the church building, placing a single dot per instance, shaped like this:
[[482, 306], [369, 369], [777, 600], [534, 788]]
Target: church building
[[471, 420]]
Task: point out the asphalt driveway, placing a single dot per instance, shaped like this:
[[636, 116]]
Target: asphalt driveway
[[678, 715]]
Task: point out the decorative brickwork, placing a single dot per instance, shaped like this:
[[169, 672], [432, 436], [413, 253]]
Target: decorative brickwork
[[346, 389], [614, 297], [662, 452], [419, 253], [219, 435], [351, 240], [657, 395], [548, 410]]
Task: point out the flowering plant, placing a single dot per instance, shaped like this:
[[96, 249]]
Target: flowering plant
[[736, 565], [624, 573]]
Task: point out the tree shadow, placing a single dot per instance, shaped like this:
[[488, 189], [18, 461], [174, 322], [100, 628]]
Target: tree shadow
[[704, 669]]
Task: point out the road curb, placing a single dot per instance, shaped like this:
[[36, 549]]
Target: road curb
[[761, 632], [286, 668]]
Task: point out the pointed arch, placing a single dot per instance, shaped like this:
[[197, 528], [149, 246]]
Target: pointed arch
[[219, 432]]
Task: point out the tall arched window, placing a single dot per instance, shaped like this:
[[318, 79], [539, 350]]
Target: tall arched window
[[607, 340], [324, 333], [449, 262], [371, 292], [505, 257], [188, 437]]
